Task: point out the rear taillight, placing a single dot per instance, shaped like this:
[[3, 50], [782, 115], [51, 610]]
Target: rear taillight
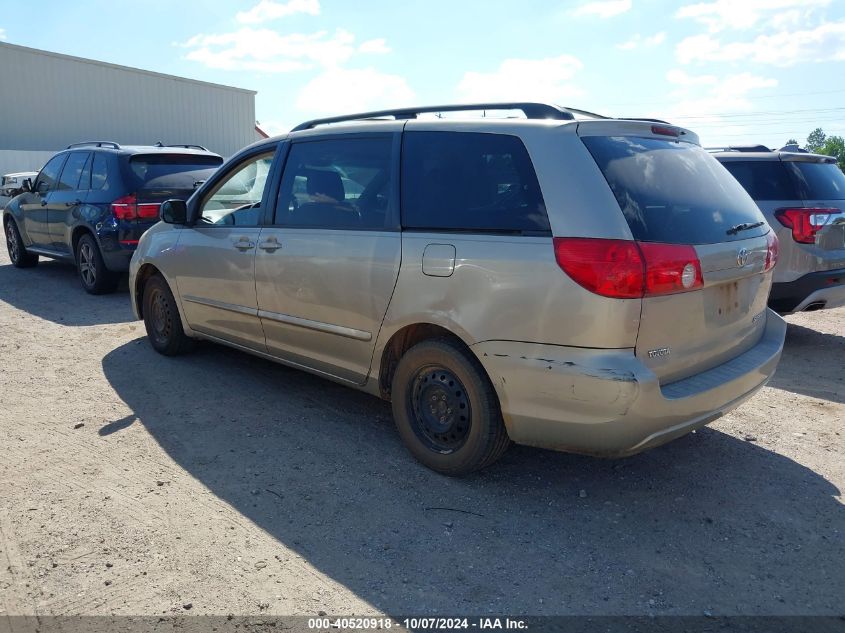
[[772, 250], [624, 269], [805, 222], [128, 208]]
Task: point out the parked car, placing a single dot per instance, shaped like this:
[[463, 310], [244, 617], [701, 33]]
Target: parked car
[[595, 286], [91, 203], [12, 184], [802, 196]]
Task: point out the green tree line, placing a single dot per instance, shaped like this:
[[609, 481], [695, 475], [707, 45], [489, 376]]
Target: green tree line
[[820, 143]]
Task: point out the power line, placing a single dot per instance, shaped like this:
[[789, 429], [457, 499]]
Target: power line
[[771, 96], [731, 115]]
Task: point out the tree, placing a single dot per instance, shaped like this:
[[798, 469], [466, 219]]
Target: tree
[[816, 140], [834, 146], [791, 141]]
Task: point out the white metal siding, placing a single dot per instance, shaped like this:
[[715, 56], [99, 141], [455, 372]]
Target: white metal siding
[[51, 100]]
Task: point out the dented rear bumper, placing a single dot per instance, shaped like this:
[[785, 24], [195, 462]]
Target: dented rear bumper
[[606, 402]]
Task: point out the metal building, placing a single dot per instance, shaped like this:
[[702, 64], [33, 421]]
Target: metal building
[[50, 101]]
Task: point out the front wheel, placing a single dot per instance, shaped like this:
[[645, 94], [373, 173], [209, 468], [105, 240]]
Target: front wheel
[[19, 256], [446, 409], [161, 319], [96, 279]]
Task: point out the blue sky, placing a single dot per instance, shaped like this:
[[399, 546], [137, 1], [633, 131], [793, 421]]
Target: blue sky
[[732, 70]]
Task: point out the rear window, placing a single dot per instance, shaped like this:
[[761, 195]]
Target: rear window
[[819, 181], [171, 171], [764, 179], [674, 192], [472, 182]]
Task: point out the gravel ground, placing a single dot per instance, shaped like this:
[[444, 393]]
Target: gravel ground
[[131, 483]]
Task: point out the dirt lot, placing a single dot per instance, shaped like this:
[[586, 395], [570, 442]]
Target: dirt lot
[[136, 484]]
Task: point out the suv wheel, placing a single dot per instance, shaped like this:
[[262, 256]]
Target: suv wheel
[[446, 409], [14, 244], [95, 277], [161, 319]]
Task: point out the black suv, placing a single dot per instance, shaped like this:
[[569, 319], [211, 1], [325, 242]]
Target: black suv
[[91, 203]]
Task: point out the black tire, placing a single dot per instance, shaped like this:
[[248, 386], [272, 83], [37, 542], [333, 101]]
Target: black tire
[[95, 278], [446, 409], [18, 254], [161, 319]]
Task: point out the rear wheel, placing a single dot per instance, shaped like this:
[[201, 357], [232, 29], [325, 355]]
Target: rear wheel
[[93, 274], [446, 409], [161, 319], [14, 244]]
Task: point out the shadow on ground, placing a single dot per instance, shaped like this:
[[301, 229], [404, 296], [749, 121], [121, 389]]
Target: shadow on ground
[[52, 291], [804, 352], [707, 523]]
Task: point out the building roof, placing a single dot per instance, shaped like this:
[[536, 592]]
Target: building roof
[[94, 62]]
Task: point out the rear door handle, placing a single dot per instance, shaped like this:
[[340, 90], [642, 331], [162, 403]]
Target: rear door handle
[[43, 203], [271, 244]]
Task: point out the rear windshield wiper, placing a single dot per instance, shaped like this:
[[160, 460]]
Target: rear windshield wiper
[[745, 226]]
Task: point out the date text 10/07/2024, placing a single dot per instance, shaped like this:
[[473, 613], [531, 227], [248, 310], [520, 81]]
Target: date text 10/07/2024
[[417, 623]]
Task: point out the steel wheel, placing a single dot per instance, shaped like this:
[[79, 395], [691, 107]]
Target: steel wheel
[[12, 243], [441, 408], [87, 265], [160, 317]]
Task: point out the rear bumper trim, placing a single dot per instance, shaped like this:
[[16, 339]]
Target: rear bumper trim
[[794, 296]]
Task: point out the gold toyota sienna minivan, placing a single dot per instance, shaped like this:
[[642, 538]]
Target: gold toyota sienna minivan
[[558, 279]]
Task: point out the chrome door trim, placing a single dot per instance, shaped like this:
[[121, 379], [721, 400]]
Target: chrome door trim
[[231, 307], [329, 328]]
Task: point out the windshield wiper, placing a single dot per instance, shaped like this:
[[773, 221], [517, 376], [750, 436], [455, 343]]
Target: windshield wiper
[[745, 226]]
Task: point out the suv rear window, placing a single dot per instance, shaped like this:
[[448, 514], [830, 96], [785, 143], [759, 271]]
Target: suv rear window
[[819, 181], [674, 192], [472, 182], [171, 171], [764, 179]]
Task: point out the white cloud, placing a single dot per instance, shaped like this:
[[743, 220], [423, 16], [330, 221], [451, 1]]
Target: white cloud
[[646, 42], [269, 10], [378, 46], [520, 79], [744, 14], [2, 34], [823, 43], [681, 78], [604, 8], [265, 50], [340, 90]]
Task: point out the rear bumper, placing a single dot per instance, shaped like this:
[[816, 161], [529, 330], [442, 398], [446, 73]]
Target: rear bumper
[[606, 402], [824, 289]]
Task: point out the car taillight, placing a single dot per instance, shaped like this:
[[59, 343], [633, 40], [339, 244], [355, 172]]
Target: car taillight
[[805, 222], [128, 208], [772, 250], [624, 269], [670, 268]]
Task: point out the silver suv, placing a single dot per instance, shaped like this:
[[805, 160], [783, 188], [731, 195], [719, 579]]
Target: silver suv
[[596, 286], [802, 196]]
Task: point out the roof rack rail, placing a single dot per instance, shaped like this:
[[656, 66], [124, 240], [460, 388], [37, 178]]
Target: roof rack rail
[[530, 109], [110, 144], [185, 145], [739, 148]]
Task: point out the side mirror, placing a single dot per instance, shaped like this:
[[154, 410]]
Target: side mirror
[[26, 185], [43, 187], [173, 212]]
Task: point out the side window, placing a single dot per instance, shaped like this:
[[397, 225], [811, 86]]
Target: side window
[[100, 173], [236, 201], [337, 184], [763, 180], [72, 170], [49, 174], [85, 178], [468, 181]]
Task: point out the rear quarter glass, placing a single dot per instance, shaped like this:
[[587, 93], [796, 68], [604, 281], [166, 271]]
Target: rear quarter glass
[[764, 179], [674, 192], [169, 171]]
